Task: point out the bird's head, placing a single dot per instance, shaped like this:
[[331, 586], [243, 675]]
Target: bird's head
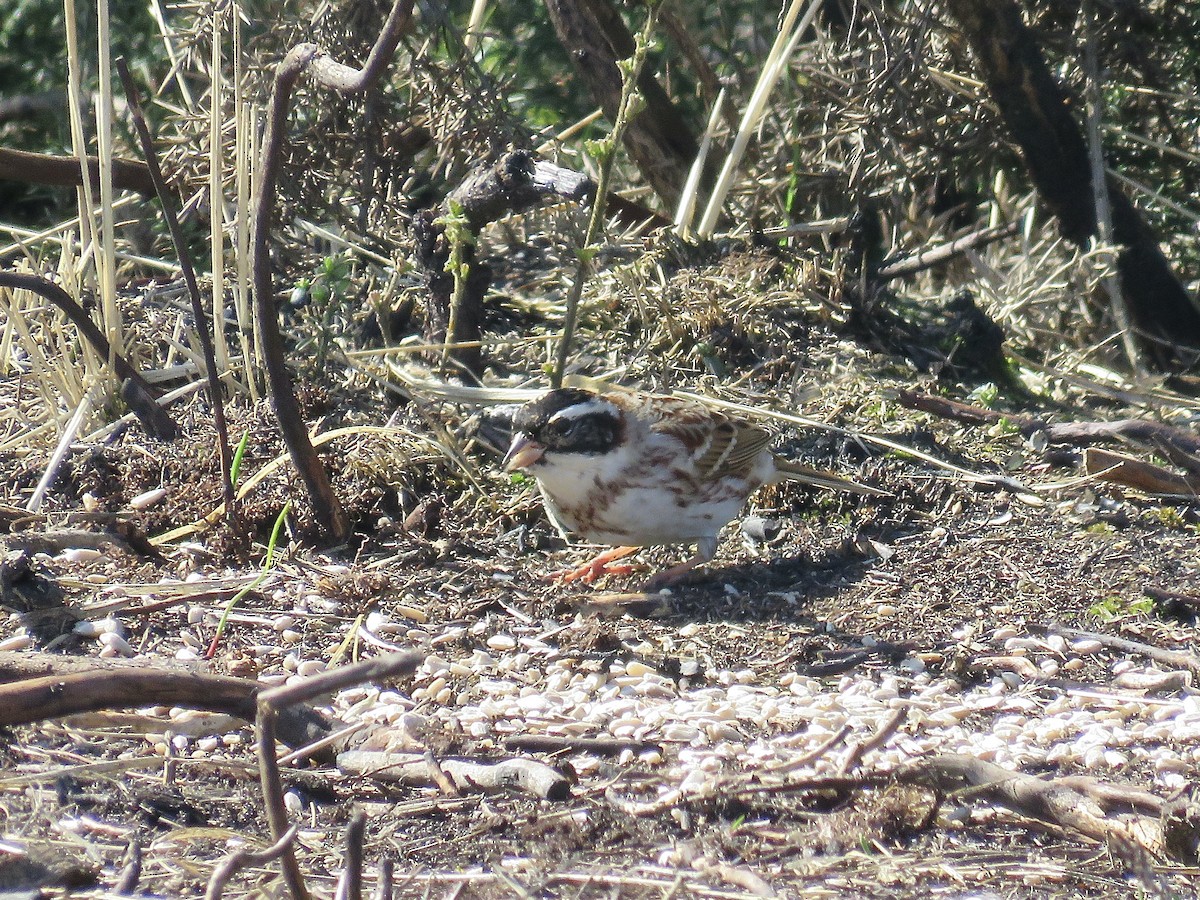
[[563, 421]]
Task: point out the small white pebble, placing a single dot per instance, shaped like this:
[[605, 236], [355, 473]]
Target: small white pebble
[[190, 640], [291, 636], [309, 667], [16, 642], [1121, 666], [109, 626], [680, 731], [283, 622], [80, 555], [208, 744], [148, 498], [1153, 680], [115, 643], [1166, 763], [1012, 680], [502, 642], [293, 803]]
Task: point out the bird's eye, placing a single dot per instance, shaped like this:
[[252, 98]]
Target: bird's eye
[[563, 427]]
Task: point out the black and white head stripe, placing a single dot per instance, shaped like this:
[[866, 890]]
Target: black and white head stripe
[[570, 420]]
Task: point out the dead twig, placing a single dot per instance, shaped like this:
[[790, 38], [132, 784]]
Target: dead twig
[[551, 743], [525, 776], [1135, 473], [383, 882], [64, 171], [816, 753], [350, 885], [1176, 659], [1079, 807], [927, 259], [202, 324], [271, 704], [855, 754], [52, 686], [242, 859], [439, 777], [131, 869], [1056, 432]]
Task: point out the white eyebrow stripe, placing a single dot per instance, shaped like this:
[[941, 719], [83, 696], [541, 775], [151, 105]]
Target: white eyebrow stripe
[[579, 410]]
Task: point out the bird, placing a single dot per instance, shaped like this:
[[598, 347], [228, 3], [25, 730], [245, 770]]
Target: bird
[[633, 469]]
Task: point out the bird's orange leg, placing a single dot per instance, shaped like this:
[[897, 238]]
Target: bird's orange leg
[[594, 568]]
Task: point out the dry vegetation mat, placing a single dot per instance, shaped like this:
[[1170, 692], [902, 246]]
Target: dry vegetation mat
[[277, 623]]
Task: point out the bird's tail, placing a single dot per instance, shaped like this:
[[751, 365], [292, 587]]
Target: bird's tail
[[792, 471]]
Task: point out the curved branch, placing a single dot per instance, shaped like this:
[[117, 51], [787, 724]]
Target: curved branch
[[137, 393], [63, 171], [329, 72]]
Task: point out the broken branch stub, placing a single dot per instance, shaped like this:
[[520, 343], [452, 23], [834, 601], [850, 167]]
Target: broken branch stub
[[515, 182]]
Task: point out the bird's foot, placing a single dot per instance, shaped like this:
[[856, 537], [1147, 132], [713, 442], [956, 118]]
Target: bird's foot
[[600, 565]]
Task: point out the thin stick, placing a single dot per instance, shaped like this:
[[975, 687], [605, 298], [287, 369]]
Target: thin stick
[[269, 705], [189, 278], [241, 859], [138, 394], [1104, 225], [926, 259], [63, 449], [351, 886], [625, 111], [272, 788], [1177, 659], [383, 882]]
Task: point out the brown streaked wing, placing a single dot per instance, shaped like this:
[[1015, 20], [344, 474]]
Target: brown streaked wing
[[718, 444], [734, 448]]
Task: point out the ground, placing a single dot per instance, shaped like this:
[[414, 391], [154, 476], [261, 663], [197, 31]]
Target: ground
[[752, 719]]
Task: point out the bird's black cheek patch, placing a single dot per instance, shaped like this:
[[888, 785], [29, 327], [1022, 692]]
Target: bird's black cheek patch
[[592, 434]]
